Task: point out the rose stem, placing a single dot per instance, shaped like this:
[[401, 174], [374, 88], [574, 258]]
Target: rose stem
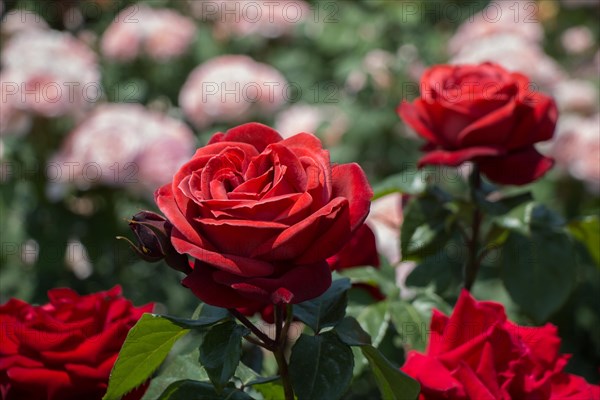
[[472, 265], [278, 321], [267, 342], [279, 354]]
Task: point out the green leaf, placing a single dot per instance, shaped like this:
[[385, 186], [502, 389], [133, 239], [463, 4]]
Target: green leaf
[[442, 268], [393, 383], [270, 390], [320, 367], [147, 345], [502, 205], [221, 350], [327, 309], [410, 324], [538, 268], [249, 377], [541, 217], [374, 319], [350, 332], [425, 227], [587, 231], [183, 366], [383, 278], [409, 182], [205, 316], [194, 390]]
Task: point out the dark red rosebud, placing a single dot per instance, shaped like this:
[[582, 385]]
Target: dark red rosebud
[[153, 233]]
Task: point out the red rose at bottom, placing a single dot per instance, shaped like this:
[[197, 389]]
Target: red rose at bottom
[[64, 349], [477, 354]]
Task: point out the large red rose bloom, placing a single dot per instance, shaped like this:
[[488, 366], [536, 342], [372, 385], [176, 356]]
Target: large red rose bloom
[[477, 354], [260, 215], [64, 350], [486, 114]]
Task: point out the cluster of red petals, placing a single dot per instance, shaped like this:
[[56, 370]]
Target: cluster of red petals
[[64, 350], [486, 114], [478, 354]]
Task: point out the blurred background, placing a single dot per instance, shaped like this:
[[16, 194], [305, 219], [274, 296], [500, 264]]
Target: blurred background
[[102, 100]]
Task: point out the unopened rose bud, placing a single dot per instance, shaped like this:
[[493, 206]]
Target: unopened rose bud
[[153, 234]]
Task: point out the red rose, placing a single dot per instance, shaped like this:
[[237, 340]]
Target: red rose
[[261, 215], [477, 354], [65, 349], [485, 114]]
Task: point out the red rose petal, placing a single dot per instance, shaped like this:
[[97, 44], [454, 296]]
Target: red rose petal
[[474, 388], [486, 371], [239, 237], [299, 284], [516, 168], [202, 284], [295, 240], [537, 117], [255, 134], [360, 250], [45, 380], [350, 182], [456, 157], [435, 379], [166, 202], [416, 116], [238, 265], [491, 129]]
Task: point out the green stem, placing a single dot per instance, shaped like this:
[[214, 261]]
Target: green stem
[[473, 262], [280, 356]]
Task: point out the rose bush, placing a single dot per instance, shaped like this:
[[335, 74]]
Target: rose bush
[[260, 215], [64, 349], [485, 114], [477, 354]]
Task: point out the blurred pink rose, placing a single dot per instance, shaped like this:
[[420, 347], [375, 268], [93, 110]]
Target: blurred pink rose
[[385, 219], [576, 95], [327, 121], [13, 121], [21, 20], [499, 17], [161, 34], [507, 33], [515, 54], [230, 89], [576, 148], [124, 145], [577, 39], [49, 73], [378, 64]]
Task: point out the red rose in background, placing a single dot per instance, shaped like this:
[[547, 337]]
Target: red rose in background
[[65, 349], [485, 114], [477, 354], [261, 215]]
